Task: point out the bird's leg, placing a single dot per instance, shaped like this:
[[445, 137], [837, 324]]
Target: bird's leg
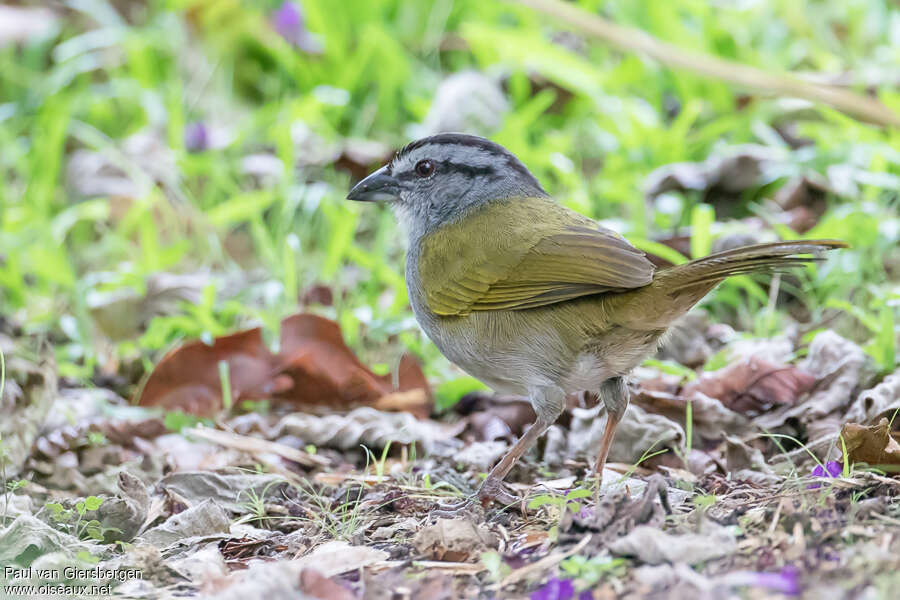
[[614, 393], [548, 404]]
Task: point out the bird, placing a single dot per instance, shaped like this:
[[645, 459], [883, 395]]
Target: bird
[[530, 297]]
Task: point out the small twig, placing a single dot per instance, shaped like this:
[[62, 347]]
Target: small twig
[[886, 519], [451, 568], [254, 445], [635, 40]]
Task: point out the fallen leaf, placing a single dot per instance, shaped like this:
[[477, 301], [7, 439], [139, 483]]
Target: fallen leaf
[[27, 538], [841, 367], [187, 378], [314, 367], [879, 401], [803, 200], [491, 416], [325, 371], [228, 490], [205, 519], [28, 394], [364, 425], [872, 444], [454, 540], [753, 385], [466, 102], [336, 557], [123, 313], [316, 585], [654, 546], [741, 168], [637, 431], [129, 170]]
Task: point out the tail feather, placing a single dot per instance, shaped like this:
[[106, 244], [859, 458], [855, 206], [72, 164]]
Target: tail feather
[[706, 272], [684, 285]]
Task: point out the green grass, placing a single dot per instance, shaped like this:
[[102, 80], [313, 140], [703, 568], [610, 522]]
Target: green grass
[[590, 123]]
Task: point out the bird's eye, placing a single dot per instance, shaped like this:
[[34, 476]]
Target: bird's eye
[[424, 168]]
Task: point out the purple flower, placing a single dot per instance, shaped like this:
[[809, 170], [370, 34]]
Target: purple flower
[[832, 468], [786, 581], [196, 137], [555, 589], [288, 21], [586, 513]]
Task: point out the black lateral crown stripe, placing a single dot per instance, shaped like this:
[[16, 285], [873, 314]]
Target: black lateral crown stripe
[[446, 166], [461, 139], [473, 141]]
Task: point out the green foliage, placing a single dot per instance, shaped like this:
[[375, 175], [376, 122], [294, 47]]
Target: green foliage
[[72, 521], [594, 570], [176, 420], [449, 392], [881, 323], [568, 502], [496, 568]]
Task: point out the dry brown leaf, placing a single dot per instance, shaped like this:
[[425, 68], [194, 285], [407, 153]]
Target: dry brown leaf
[[187, 378], [316, 585], [454, 540], [742, 168], [872, 444], [314, 367], [753, 385]]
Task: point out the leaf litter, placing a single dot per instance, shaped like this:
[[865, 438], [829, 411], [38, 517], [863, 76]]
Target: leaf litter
[[732, 479]]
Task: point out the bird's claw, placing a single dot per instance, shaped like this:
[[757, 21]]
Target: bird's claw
[[490, 491]]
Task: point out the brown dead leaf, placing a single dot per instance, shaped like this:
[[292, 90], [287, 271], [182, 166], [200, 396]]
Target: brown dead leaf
[[872, 444], [454, 540], [739, 169], [314, 367], [315, 585], [325, 371], [490, 416], [187, 378], [803, 200], [753, 385]]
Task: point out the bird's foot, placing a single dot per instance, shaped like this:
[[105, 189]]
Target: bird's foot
[[491, 490]]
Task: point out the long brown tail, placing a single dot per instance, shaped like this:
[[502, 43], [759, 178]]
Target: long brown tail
[[706, 272], [676, 289]]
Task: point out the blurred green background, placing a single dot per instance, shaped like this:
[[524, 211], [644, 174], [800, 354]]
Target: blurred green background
[[175, 169]]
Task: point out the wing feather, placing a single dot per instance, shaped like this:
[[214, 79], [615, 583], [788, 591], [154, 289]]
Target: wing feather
[[548, 255]]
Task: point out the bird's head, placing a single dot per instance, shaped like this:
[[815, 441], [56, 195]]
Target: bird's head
[[438, 179]]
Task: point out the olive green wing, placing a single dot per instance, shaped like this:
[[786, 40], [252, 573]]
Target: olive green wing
[[546, 254]]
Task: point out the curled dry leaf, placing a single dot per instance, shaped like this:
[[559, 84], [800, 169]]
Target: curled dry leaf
[[467, 102], [314, 367], [315, 585], [116, 431], [187, 378], [454, 540], [491, 416], [325, 371], [654, 546], [208, 518], [872, 444], [753, 385], [879, 401], [741, 169], [363, 425], [29, 392]]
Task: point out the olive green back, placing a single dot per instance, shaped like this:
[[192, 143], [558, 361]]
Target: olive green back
[[536, 253]]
